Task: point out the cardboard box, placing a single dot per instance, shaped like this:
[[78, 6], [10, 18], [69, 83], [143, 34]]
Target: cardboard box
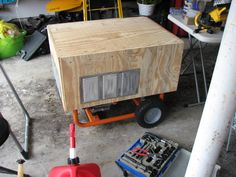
[[189, 20]]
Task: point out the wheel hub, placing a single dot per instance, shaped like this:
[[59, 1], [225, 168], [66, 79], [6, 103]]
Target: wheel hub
[[153, 115]]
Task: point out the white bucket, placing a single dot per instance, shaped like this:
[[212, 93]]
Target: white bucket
[[146, 9]]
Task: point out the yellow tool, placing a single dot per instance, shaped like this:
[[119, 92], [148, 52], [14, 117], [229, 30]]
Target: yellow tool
[[219, 14], [211, 20]]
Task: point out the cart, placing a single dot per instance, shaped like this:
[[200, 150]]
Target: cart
[[101, 64]]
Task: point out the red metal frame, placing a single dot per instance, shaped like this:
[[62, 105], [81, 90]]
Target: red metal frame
[[96, 120]]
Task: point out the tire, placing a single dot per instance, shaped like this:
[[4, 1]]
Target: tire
[[150, 113], [4, 130]]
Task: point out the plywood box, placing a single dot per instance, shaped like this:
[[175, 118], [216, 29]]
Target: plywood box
[[104, 61]]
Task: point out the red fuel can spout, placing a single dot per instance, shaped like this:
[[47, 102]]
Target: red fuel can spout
[[72, 136], [73, 159]]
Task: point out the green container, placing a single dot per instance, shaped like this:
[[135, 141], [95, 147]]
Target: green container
[[11, 45]]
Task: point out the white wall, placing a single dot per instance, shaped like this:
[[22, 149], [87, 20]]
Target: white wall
[[26, 8]]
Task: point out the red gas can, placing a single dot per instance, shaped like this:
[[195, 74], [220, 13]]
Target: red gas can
[[74, 169], [83, 170]]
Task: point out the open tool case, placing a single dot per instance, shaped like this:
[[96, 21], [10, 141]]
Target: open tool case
[[149, 156]]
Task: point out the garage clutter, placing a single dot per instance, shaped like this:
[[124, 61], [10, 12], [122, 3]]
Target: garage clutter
[[11, 39]]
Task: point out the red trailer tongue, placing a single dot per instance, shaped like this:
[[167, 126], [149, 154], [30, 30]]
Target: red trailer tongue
[[74, 169]]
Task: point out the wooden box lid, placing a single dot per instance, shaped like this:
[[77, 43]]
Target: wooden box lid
[[109, 35]]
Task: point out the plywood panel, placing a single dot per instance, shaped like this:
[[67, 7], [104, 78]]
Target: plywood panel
[[107, 46], [90, 37]]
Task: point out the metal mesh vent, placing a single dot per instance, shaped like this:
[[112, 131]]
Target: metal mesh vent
[[109, 85]]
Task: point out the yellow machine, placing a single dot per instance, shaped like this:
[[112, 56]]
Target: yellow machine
[[80, 5], [211, 20], [219, 14], [62, 5]]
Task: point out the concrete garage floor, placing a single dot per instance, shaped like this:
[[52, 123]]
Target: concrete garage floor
[[101, 144]]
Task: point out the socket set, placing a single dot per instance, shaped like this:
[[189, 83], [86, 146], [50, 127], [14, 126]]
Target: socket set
[[149, 156]]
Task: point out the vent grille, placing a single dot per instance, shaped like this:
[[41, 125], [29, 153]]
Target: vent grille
[[109, 85]]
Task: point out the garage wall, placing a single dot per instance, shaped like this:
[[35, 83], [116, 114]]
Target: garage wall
[[26, 8]]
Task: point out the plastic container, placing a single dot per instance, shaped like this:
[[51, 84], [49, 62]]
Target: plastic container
[[7, 1], [83, 170], [11, 45], [146, 9], [74, 169]]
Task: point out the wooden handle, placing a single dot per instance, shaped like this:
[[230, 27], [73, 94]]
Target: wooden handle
[[20, 172]]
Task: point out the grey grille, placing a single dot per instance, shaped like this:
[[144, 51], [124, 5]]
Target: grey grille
[[109, 85]]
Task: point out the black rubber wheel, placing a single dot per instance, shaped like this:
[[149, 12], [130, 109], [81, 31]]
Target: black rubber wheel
[[4, 130], [150, 113]]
